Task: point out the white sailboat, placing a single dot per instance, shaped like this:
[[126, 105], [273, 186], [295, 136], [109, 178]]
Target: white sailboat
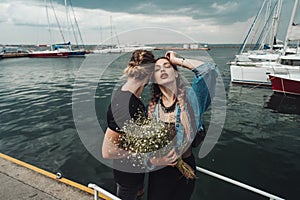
[[289, 83], [267, 47], [258, 72], [124, 48], [121, 48], [67, 46], [70, 48], [52, 52]]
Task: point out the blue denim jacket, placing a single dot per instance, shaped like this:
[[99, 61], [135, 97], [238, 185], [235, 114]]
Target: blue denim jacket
[[199, 96]]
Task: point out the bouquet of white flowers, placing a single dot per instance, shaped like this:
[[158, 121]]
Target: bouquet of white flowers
[[146, 137]]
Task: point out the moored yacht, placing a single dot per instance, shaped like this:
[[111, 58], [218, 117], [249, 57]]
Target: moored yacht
[[259, 74], [124, 48], [286, 83], [286, 61], [48, 54]]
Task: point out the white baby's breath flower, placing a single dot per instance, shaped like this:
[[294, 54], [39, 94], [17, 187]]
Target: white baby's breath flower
[[142, 137]]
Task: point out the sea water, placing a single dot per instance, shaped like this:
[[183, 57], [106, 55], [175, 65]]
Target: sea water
[[259, 143]]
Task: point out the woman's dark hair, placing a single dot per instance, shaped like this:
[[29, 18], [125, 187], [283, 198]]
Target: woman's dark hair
[[181, 99], [156, 92]]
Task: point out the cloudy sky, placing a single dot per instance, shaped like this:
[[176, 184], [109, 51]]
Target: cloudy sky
[[152, 21]]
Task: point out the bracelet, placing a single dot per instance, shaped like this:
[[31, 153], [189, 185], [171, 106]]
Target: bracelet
[[182, 61], [149, 165]]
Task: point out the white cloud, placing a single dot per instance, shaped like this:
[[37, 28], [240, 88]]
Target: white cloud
[[20, 12], [225, 8], [30, 17], [145, 6]]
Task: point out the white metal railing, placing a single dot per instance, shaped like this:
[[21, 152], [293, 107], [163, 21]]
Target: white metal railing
[[205, 171], [102, 191], [237, 183]]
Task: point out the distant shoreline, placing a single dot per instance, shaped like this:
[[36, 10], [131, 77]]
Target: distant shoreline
[[180, 48], [175, 46], [22, 50]]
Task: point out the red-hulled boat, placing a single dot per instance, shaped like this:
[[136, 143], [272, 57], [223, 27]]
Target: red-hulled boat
[[286, 83]]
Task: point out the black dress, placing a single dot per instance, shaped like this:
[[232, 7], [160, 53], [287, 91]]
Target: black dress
[[125, 106], [168, 183]]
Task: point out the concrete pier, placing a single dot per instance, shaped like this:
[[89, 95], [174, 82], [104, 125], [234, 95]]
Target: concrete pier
[[21, 182], [15, 55]]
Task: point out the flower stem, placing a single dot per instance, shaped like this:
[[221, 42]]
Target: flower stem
[[185, 169]]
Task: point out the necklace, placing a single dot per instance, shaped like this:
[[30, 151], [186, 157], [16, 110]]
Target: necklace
[[168, 109], [167, 117]]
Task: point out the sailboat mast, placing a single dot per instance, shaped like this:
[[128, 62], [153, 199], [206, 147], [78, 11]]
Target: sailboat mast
[[275, 23], [111, 32], [49, 29], [251, 28], [290, 26], [267, 30], [267, 21], [77, 26], [68, 22]]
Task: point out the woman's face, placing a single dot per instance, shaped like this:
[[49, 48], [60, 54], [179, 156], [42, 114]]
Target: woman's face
[[164, 72]]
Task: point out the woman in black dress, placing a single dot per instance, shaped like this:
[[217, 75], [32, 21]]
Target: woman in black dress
[[127, 105]]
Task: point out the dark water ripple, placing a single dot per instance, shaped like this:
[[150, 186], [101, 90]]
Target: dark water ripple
[[259, 144]]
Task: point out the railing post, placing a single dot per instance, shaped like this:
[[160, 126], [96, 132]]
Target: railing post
[[95, 194], [98, 189]]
